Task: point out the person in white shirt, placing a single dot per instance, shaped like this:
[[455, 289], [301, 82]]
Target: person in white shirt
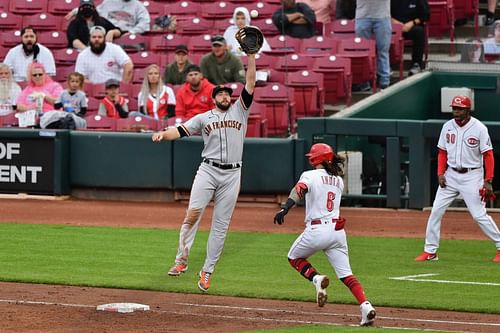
[[19, 57], [102, 61], [9, 91]]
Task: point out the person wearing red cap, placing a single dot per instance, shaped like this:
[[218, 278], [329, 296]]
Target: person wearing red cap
[[465, 167]]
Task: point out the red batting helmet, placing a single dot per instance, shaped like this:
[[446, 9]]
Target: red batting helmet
[[319, 153], [461, 102]]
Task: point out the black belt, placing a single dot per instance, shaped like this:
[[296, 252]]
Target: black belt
[[222, 166], [464, 170]]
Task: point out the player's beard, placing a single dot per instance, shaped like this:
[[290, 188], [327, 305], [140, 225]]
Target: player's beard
[[97, 49], [223, 107]]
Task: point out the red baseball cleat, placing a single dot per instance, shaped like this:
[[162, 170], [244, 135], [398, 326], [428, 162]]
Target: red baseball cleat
[[177, 269], [424, 256], [497, 258], [204, 282]]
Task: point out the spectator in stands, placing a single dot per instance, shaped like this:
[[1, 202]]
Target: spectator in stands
[[113, 105], [490, 14], [9, 90], [130, 16], [412, 14], [295, 19], [221, 66], [102, 61], [19, 57], [175, 73], [472, 51], [86, 18], [73, 103], [345, 9], [373, 17], [241, 18], [323, 9], [40, 87], [492, 44], [156, 100], [195, 96]]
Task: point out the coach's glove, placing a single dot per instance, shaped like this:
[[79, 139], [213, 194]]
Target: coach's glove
[[486, 193], [250, 39]]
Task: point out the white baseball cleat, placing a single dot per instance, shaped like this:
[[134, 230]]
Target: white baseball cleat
[[367, 314], [321, 282]]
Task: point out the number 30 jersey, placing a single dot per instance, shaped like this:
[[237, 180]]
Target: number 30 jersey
[[324, 192]]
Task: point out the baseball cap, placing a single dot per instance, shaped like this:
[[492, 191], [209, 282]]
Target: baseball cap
[[111, 83], [97, 28], [496, 25], [181, 48], [218, 40], [193, 68], [86, 2], [219, 88]]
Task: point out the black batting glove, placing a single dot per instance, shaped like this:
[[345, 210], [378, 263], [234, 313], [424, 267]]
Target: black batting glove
[[279, 218]]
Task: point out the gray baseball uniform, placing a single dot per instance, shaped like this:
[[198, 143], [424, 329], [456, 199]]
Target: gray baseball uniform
[[218, 176]]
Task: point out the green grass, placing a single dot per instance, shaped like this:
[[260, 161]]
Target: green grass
[[139, 258]]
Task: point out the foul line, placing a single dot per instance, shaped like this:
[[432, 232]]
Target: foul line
[[417, 278]]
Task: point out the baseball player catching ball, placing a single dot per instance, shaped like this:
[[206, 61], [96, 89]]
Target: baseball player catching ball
[[465, 166], [223, 130], [324, 231]]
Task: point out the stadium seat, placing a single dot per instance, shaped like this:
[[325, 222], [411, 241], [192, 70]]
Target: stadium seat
[[237, 89], [9, 120], [28, 7], [464, 9], [318, 46], [139, 74], [200, 44], [167, 43], [62, 73], [132, 104], [217, 10], [3, 52], [53, 39], [293, 62], [442, 18], [10, 21], [255, 127], [361, 51], [309, 94], [267, 27], [276, 76], [264, 9], [136, 124], [343, 28], [194, 26], [43, 22], [262, 61], [65, 57], [100, 123], [155, 9], [183, 10], [396, 52], [279, 110], [281, 45], [60, 7], [133, 43], [221, 25], [145, 58], [337, 77], [93, 105]]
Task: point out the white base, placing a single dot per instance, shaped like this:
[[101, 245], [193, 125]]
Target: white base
[[122, 307]]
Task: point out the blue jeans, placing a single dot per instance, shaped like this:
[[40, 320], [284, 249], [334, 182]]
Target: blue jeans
[[382, 29]]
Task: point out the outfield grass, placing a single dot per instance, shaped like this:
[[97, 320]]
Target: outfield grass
[[139, 258]]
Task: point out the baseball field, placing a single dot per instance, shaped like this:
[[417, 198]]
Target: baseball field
[[60, 259]]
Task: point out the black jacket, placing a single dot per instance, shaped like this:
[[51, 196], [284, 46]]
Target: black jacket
[[78, 29], [407, 10]]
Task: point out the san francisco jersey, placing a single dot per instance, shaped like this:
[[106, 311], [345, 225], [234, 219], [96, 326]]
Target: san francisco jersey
[[465, 145], [223, 132], [323, 195]]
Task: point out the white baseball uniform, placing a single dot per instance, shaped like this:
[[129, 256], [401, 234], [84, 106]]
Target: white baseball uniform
[[218, 177], [324, 192], [465, 175]]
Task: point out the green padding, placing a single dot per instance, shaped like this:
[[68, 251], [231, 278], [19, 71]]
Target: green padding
[[268, 164], [348, 126], [120, 160]]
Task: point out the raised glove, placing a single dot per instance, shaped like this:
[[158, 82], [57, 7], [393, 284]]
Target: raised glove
[[279, 218], [250, 39]]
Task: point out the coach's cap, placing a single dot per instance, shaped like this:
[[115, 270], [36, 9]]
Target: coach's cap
[[218, 40], [111, 83], [86, 2], [181, 48], [193, 68], [220, 88]]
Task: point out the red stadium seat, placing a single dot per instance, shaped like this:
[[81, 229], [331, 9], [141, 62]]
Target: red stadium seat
[[293, 62], [136, 124], [343, 28], [279, 110], [9, 120], [3, 52], [262, 61], [309, 94], [65, 57], [221, 25], [264, 9], [276, 76], [361, 51], [183, 10], [28, 7], [237, 89], [194, 26], [100, 123], [62, 73], [154, 8], [93, 105], [133, 43], [43, 21], [10, 38], [464, 9], [144, 59], [281, 45], [442, 18], [53, 39], [396, 52], [217, 10], [139, 74], [168, 42], [62, 7], [199, 44], [337, 77], [267, 27], [318, 46], [10, 21]]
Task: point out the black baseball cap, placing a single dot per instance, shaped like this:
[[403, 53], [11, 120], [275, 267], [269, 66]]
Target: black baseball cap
[[193, 68], [87, 2], [218, 40], [220, 88], [111, 83], [181, 48]]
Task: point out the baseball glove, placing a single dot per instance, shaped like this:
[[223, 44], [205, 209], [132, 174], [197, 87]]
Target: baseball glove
[[250, 39], [486, 195]]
